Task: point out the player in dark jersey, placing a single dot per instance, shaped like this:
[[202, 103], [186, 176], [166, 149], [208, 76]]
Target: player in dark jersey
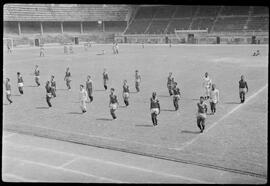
[[20, 82], [37, 73], [137, 80], [169, 83], [48, 93], [201, 115], [243, 89], [126, 93], [176, 97], [89, 88], [67, 78], [154, 108], [8, 90], [53, 86], [113, 103], [105, 79]]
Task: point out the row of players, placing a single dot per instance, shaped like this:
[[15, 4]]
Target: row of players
[[210, 93]]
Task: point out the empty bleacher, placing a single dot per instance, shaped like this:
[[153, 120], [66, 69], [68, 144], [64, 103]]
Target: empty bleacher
[[146, 13], [208, 11], [11, 27], [30, 27], [71, 27], [181, 24], [202, 23], [258, 23], [230, 24], [137, 27], [235, 10], [165, 11], [158, 27], [260, 10], [185, 11], [115, 26], [51, 27]]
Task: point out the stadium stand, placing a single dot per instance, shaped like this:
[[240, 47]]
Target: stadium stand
[[71, 27], [260, 10], [157, 27], [208, 11], [185, 11], [138, 27], [202, 23], [30, 27], [165, 11], [51, 27], [231, 24], [146, 13], [235, 10], [115, 26], [258, 23], [91, 27], [181, 24], [11, 27]]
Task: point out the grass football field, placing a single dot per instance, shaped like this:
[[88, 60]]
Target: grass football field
[[235, 138]]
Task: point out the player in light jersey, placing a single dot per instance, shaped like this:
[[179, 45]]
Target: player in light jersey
[[214, 98], [105, 79], [37, 73], [137, 80], [67, 78], [126, 93], [89, 88], [243, 89], [207, 82], [201, 114], [48, 93], [116, 48], [65, 49], [71, 49], [8, 90], [20, 82], [83, 97], [42, 51], [53, 86], [154, 108], [113, 103], [169, 83]]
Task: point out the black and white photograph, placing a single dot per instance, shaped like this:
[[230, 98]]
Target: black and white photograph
[[135, 93]]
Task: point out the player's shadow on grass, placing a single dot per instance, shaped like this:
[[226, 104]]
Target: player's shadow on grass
[[62, 89], [133, 92], [15, 95], [104, 119], [194, 99], [42, 107], [74, 113], [31, 86], [164, 96], [232, 102], [99, 90], [144, 125], [169, 110], [190, 132]]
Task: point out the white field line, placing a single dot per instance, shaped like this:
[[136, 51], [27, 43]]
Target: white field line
[[63, 169], [103, 162], [222, 118], [16, 177]]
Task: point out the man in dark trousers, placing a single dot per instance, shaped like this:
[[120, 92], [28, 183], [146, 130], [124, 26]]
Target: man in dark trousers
[[201, 115], [243, 89], [48, 93], [154, 108], [89, 88], [113, 103]]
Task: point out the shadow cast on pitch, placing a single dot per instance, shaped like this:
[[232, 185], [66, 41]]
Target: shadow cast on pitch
[[42, 107], [104, 119], [133, 92], [144, 125], [169, 110], [62, 89], [195, 99], [190, 132], [164, 96], [74, 113], [15, 95], [233, 102], [99, 90]]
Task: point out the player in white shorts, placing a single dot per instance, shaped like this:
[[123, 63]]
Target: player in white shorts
[[83, 97], [207, 82], [8, 90], [214, 98], [154, 108], [20, 82], [126, 93]]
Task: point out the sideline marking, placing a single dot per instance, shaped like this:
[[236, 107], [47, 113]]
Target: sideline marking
[[16, 177], [63, 169], [77, 156], [225, 116]]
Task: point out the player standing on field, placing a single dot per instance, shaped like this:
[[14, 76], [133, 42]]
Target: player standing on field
[[126, 93], [154, 108], [113, 103], [176, 97], [36, 73], [48, 93], [137, 80], [20, 82], [53, 86], [89, 88], [83, 98], [8, 90], [67, 78], [214, 98], [201, 115], [207, 82], [105, 79], [243, 89], [169, 83], [42, 51]]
